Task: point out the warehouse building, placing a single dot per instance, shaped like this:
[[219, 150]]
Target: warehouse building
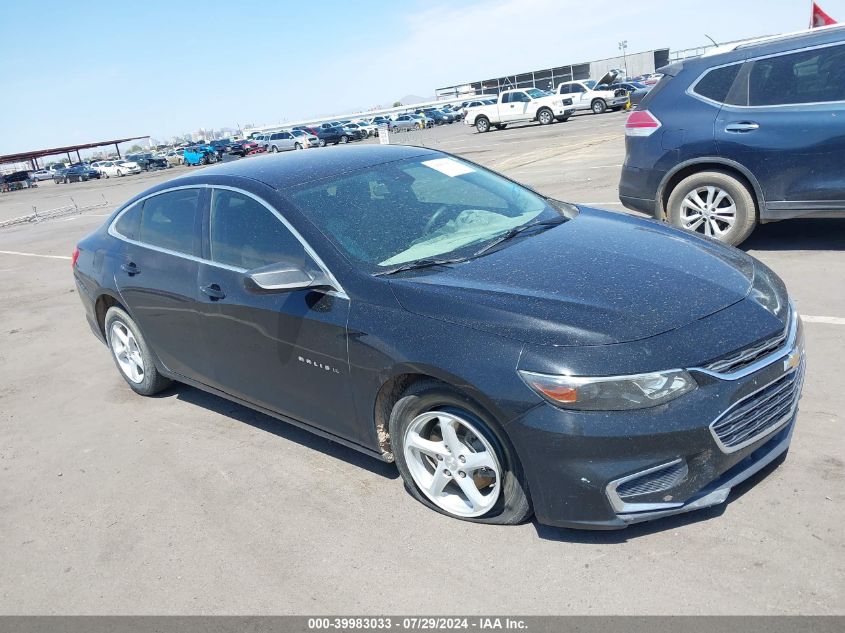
[[548, 78]]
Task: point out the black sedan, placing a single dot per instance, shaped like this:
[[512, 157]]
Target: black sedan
[[148, 162], [510, 352], [75, 173], [333, 135]]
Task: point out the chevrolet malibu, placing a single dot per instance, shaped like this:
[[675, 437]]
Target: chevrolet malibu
[[512, 354]]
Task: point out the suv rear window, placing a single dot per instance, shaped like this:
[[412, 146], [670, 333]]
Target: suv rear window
[[716, 84]]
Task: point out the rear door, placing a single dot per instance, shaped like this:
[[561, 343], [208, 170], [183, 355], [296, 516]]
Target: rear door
[[284, 351], [785, 121], [158, 277]]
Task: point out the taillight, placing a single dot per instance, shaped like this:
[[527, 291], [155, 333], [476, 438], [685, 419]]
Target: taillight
[[74, 256], [641, 123]]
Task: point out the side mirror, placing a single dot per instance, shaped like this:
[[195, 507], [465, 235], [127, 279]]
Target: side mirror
[[285, 277]]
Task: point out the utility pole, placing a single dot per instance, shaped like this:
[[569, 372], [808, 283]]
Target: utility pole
[[623, 46]]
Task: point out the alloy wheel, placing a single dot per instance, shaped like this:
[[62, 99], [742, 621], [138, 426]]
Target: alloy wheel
[[710, 210], [453, 463], [126, 351]]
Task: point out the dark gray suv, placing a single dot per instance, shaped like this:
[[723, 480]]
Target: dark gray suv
[[751, 134]]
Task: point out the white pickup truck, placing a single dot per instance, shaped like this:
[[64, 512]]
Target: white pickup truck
[[516, 106], [594, 95]]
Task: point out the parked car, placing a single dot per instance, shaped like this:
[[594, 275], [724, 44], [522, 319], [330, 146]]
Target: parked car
[[515, 106], [403, 122], [634, 98], [475, 103], [369, 128], [71, 174], [594, 95], [237, 148], [380, 120], [646, 372], [744, 136], [252, 147], [627, 86], [355, 132], [41, 174], [423, 120], [282, 141], [439, 118], [147, 161], [174, 157], [110, 168], [199, 155], [332, 136]]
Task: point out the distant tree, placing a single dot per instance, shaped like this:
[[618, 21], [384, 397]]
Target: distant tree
[[397, 104], [134, 149]]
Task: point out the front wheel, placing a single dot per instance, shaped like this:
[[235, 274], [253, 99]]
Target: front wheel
[[545, 117], [119, 173], [598, 106], [482, 124], [322, 142], [131, 355], [454, 459], [715, 204], [297, 146], [273, 149], [344, 139]]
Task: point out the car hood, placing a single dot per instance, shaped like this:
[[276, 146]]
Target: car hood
[[598, 279], [608, 78]]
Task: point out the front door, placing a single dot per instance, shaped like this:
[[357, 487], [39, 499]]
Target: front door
[[158, 276], [514, 109], [788, 128], [284, 351]]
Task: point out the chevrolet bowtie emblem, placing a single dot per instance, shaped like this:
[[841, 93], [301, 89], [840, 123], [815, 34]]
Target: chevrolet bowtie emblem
[[792, 361]]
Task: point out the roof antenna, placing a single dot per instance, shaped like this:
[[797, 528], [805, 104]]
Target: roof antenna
[[711, 39]]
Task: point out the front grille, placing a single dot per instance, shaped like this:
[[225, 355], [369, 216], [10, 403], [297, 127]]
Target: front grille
[[655, 481], [748, 356], [760, 413]]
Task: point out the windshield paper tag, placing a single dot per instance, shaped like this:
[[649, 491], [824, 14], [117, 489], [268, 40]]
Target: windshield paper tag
[[448, 166]]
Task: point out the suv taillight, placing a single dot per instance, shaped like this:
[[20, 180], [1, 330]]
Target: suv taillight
[[74, 256], [641, 123]]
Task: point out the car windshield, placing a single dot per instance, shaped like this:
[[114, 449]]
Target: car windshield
[[590, 83], [419, 208], [535, 93]]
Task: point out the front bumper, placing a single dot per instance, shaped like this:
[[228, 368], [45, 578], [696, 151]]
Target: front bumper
[[579, 460], [618, 102]]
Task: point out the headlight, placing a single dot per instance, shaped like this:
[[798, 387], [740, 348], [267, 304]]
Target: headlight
[[610, 393]]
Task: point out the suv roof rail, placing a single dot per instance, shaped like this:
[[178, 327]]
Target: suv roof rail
[[759, 41]]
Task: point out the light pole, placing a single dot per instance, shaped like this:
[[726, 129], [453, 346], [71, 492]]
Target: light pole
[[623, 46]]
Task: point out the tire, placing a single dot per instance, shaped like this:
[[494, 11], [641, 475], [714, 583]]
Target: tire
[[297, 146], [273, 149], [204, 160], [322, 142], [344, 139], [119, 173], [598, 106], [709, 187], [482, 124], [151, 381], [506, 502], [545, 116]]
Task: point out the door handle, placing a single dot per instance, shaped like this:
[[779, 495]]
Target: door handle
[[130, 267], [213, 291], [744, 126]]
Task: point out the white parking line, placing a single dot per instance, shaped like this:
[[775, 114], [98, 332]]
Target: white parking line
[[34, 255], [823, 319]]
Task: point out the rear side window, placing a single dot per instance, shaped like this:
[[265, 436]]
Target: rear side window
[[814, 76], [716, 84], [129, 222], [169, 220], [246, 234]]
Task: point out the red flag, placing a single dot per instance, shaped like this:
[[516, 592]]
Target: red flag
[[819, 17]]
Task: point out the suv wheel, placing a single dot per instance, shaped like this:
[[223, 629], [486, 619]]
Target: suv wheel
[[598, 106], [453, 460], [545, 116], [714, 204]]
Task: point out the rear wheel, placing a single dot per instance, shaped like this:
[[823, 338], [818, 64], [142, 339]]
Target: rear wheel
[[119, 173], [715, 204], [131, 354], [482, 124], [273, 149], [344, 139], [454, 459], [297, 146], [322, 142]]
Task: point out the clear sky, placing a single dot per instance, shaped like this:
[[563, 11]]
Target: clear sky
[[83, 71]]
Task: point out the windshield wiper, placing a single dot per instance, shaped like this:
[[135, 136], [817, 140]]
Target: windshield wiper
[[516, 231], [419, 263]]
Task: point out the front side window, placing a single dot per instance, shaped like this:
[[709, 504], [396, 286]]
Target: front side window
[[716, 84], [814, 76], [246, 234], [424, 207], [169, 220]]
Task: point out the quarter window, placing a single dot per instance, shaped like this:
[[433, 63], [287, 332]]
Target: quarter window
[[169, 220], [814, 76], [245, 234], [716, 84]]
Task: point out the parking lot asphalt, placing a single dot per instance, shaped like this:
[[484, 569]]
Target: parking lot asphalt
[[186, 503]]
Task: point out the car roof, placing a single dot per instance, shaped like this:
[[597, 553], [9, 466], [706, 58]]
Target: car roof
[[286, 169]]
